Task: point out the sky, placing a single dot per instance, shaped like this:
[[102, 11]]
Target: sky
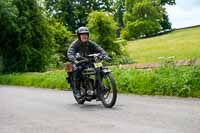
[[185, 13]]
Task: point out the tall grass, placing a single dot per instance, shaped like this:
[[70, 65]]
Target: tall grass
[[168, 80], [53, 79]]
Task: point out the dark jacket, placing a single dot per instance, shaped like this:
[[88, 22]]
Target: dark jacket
[[83, 49]]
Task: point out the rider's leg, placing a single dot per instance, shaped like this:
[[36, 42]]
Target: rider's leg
[[75, 83]]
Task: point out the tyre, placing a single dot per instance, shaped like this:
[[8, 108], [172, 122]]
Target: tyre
[[109, 91], [79, 100]]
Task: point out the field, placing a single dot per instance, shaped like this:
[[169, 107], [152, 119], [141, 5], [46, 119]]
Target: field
[[182, 44]]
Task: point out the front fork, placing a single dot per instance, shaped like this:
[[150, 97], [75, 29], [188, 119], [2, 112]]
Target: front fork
[[99, 82]]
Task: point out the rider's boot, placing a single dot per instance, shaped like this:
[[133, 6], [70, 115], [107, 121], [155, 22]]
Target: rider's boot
[[76, 83], [76, 91]]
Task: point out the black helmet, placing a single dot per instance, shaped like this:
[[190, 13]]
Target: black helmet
[[82, 30]]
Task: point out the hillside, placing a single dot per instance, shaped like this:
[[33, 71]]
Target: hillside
[[183, 44]]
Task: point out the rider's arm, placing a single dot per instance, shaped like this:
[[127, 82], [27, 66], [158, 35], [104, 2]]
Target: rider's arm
[[71, 52], [98, 49]]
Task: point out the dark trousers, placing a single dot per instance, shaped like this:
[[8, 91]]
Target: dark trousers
[[76, 77]]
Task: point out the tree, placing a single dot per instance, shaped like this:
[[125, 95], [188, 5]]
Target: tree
[[62, 38], [168, 2], [36, 41], [30, 41], [74, 13], [27, 42], [141, 18], [8, 33], [103, 28], [165, 23], [119, 11]]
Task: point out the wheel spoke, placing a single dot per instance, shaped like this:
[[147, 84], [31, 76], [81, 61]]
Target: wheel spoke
[[108, 93]]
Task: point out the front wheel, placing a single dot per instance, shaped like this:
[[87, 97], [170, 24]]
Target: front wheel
[[78, 100], [109, 91]]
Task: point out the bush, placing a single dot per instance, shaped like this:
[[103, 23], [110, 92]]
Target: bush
[[63, 38], [103, 30], [168, 81], [51, 80]]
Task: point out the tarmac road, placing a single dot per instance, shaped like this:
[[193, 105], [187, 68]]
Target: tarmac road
[[34, 110]]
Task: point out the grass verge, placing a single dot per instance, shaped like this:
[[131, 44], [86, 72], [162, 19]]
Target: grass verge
[[52, 79], [167, 80]]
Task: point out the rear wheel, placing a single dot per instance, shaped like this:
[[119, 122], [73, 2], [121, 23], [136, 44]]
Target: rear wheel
[[109, 91]]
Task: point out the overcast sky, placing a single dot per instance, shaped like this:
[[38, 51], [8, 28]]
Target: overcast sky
[[185, 13]]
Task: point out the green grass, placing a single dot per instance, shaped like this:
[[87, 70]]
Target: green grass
[[183, 44], [168, 80], [54, 79]]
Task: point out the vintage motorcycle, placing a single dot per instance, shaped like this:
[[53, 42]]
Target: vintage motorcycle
[[95, 80]]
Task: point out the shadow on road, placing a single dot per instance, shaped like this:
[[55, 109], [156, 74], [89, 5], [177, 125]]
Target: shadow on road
[[92, 107]]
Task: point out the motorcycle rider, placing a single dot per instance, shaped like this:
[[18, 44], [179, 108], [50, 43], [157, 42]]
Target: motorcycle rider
[[84, 47]]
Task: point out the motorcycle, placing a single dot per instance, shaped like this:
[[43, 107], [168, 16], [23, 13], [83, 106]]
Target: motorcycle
[[95, 80]]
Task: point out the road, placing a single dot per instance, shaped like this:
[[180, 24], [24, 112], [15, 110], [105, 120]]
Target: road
[[34, 110]]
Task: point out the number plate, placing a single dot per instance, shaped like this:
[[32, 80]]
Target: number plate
[[96, 65]]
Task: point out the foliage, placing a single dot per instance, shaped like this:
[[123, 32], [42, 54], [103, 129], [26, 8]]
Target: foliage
[[34, 34], [171, 81], [119, 8], [54, 79], [168, 80], [30, 41], [169, 2], [164, 23], [62, 38], [141, 18], [36, 40], [8, 33], [103, 28], [151, 17], [74, 13], [141, 28]]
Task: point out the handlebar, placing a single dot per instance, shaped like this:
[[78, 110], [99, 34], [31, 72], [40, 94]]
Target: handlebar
[[86, 60]]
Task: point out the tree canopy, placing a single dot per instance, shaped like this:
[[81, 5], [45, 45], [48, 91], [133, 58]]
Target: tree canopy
[[141, 18], [74, 13], [145, 18], [28, 41]]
